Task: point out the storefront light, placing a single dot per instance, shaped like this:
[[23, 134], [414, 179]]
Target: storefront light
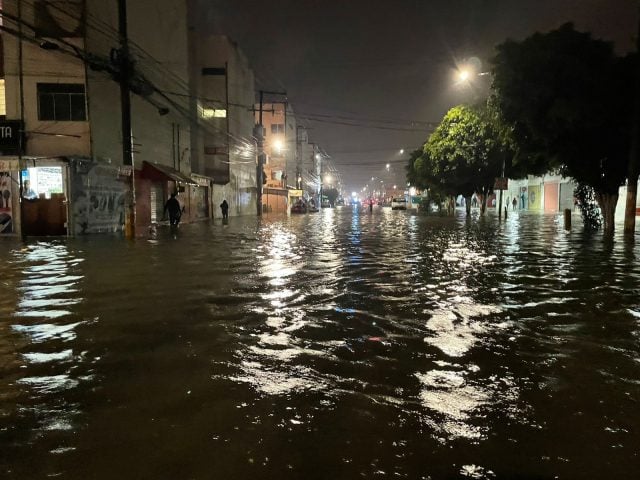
[[214, 113]]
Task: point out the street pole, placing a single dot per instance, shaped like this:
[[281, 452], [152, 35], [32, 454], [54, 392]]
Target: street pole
[[500, 204], [21, 141], [259, 134], [125, 105]]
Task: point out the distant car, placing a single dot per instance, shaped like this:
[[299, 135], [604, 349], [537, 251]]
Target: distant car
[[299, 207], [399, 203]]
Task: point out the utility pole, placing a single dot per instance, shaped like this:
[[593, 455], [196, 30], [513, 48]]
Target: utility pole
[[258, 133], [21, 144], [299, 155], [125, 105]]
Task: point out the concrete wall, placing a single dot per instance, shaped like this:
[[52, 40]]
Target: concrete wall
[[43, 138], [160, 54], [233, 135]]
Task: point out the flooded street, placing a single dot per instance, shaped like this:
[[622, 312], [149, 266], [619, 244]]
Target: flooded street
[[335, 345]]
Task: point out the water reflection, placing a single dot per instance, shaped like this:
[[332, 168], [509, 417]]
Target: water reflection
[[48, 288], [342, 344]]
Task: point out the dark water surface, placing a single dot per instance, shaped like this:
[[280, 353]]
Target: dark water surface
[[337, 345]]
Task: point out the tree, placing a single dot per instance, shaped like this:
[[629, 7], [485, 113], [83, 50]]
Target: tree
[[567, 98], [465, 153], [414, 177], [332, 194]]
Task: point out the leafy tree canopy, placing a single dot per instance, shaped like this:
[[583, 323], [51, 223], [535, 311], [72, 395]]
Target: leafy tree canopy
[[466, 151], [568, 99]]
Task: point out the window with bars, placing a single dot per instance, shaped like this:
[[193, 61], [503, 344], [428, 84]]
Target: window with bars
[[62, 102]]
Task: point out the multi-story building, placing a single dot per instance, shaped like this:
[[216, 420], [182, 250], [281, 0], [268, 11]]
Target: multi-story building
[[61, 141], [160, 122], [45, 126], [280, 146], [222, 145]]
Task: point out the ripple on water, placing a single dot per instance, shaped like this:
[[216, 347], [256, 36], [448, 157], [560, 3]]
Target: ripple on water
[[386, 343]]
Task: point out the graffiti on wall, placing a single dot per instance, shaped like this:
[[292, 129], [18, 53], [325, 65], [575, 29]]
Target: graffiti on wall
[[534, 197], [98, 198], [6, 200]]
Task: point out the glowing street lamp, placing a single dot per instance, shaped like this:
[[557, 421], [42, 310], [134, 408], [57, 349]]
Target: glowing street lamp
[[278, 145], [464, 75]]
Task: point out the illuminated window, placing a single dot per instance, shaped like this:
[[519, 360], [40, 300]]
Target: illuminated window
[[277, 128], [214, 113], [3, 103], [61, 102]]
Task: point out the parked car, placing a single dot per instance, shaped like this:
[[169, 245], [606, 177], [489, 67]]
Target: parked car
[[399, 203], [299, 207]]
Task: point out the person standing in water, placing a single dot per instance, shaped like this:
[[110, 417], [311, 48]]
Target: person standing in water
[[224, 206], [173, 207]]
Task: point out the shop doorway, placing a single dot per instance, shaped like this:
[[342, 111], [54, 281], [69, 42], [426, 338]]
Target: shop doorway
[[44, 200]]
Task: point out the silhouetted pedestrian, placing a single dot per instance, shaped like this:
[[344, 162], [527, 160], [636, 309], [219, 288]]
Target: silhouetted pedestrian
[[514, 202], [224, 206], [173, 207]]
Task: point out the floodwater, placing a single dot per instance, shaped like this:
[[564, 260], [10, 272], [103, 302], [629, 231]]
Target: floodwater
[[335, 345]]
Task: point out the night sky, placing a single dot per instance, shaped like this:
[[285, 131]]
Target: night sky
[[389, 64]]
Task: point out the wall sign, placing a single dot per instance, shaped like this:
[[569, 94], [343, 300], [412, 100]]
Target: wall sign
[[10, 137]]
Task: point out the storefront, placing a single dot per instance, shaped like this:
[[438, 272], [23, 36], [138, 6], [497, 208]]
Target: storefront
[[201, 197], [275, 200], [9, 192], [98, 194], [154, 185], [45, 194]]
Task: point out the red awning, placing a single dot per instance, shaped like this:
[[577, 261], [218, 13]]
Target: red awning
[[162, 173]]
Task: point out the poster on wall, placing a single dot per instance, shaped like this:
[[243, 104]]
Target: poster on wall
[[6, 214], [98, 199], [534, 197]]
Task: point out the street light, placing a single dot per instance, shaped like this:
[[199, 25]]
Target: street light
[[463, 75], [278, 145]]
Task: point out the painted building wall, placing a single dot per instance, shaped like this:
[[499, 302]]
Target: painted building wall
[[280, 143], [98, 193], [551, 196], [548, 193], [44, 138]]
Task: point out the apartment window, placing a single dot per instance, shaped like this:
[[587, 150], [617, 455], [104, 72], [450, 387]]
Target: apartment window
[[214, 113], [61, 102], [3, 100], [277, 128]]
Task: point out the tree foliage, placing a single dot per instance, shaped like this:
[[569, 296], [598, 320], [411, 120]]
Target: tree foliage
[[466, 151], [332, 194], [567, 97]]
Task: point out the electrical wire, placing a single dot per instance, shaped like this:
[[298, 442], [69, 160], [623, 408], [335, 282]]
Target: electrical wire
[[353, 121]]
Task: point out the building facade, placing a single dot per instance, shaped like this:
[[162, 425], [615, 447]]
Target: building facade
[[223, 149], [61, 141], [280, 146]]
